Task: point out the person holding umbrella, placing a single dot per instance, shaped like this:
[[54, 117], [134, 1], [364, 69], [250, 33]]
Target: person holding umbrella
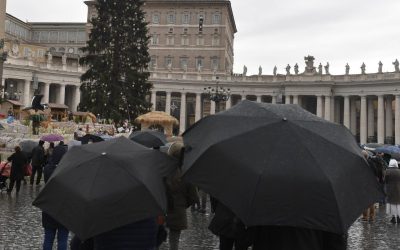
[[392, 179], [18, 161], [38, 160]]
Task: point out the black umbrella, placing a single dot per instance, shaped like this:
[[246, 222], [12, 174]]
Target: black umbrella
[[280, 165], [102, 186], [149, 138], [89, 137]]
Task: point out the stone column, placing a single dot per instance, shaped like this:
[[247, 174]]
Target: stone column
[[46, 92], [198, 107], [371, 119], [319, 106], [182, 118], [168, 103], [259, 98], [353, 117], [346, 112], [212, 107], [62, 94], [389, 119], [381, 119], [397, 120], [332, 106], [77, 98], [273, 99], [228, 103], [153, 100], [328, 108], [27, 88], [337, 112], [363, 120], [295, 99], [243, 97]]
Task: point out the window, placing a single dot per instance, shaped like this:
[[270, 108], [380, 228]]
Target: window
[[199, 62], [156, 18], [215, 40], [171, 18], [52, 49], [214, 63], [154, 39], [170, 40], [153, 62], [40, 53], [27, 52], [200, 40], [185, 40], [186, 18], [62, 49], [168, 62], [184, 62], [216, 18]]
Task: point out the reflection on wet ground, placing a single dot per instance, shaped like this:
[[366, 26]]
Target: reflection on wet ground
[[21, 227]]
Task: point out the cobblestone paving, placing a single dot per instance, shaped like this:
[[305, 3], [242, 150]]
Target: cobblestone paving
[[20, 228]]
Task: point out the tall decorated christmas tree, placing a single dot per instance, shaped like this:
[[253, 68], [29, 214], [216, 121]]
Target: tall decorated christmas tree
[[116, 82]]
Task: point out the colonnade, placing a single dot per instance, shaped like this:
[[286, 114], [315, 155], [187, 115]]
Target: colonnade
[[372, 118]]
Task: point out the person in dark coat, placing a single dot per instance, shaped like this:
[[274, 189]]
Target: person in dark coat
[[140, 235], [392, 179], [229, 228], [180, 196], [290, 238], [58, 152], [50, 225], [38, 161], [18, 161]]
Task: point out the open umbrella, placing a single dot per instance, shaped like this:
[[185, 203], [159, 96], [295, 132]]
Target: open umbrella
[[149, 138], [28, 145], [103, 186], [52, 138], [280, 165], [89, 137], [393, 151]]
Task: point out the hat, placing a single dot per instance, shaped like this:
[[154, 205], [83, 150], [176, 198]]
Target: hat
[[393, 164], [175, 150]]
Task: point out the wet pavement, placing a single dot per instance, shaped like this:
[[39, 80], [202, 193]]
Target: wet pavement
[[20, 227]]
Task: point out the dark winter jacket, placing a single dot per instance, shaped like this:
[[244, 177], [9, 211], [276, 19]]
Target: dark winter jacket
[[77, 244], [18, 162], [141, 235], [58, 152], [38, 156], [392, 180], [290, 238], [47, 220]]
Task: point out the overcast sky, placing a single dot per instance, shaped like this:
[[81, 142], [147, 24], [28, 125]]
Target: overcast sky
[[281, 32]]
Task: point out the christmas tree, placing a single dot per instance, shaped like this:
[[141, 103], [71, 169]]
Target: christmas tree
[[116, 82]]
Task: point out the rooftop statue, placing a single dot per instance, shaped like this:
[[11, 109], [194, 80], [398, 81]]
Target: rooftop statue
[[347, 69], [296, 69], [288, 69], [275, 70], [244, 70], [396, 66], [320, 69], [327, 68], [363, 66], [260, 70], [380, 67], [310, 69]]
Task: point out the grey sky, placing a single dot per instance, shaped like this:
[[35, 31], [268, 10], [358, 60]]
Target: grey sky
[[281, 32]]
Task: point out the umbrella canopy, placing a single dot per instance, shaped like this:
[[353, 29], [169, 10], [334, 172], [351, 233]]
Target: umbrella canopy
[[28, 145], [106, 137], [52, 138], [149, 138], [280, 165], [89, 137], [103, 186], [394, 151]]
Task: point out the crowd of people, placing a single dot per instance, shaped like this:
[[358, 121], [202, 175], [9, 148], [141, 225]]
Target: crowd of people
[[150, 233]]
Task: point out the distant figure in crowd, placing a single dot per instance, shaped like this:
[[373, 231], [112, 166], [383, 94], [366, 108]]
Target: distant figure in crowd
[[229, 228], [49, 152], [38, 161], [180, 196], [50, 225], [75, 142], [18, 161], [369, 213], [58, 153], [392, 179]]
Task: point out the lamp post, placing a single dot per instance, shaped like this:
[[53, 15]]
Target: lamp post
[[217, 94]]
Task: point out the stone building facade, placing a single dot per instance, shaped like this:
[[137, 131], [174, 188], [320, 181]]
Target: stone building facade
[[191, 49]]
